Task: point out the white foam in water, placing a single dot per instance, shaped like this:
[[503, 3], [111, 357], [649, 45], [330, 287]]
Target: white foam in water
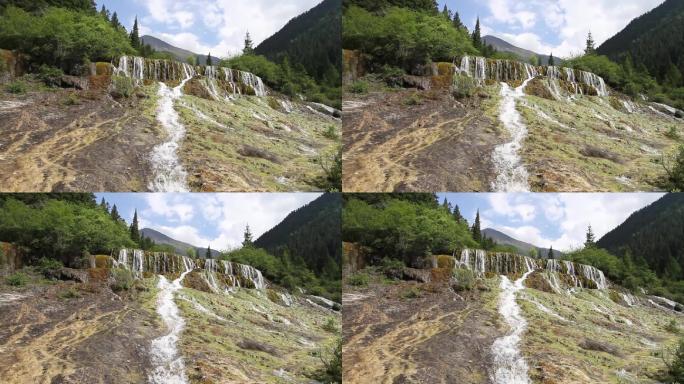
[[169, 366], [511, 173], [509, 365], [169, 175]]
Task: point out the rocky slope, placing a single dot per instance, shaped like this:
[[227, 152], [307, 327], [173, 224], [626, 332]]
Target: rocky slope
[[121, 126], [547, 129], [232, 326], [564, 323]]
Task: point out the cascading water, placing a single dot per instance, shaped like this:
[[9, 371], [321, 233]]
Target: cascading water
[[169, 175], [169, 366], [509, 365], [511, 173]]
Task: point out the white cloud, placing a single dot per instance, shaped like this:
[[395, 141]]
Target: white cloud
[[169, 206], [566, 21], [514, 206]]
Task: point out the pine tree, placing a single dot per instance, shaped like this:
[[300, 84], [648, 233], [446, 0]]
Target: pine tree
[[210, 62], [135, 232], [457, 214], [590, 49], [247, 242], [104, 205], [477, 39], [249, 45], [550, 254], [115, 21], [135, 37], [457, 21], [591, 240], [551, 60], [115, 214], [207, 255], [446, 13], [104, 12], [475, 230]]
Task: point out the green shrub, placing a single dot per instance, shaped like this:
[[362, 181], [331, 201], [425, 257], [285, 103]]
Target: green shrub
[[411, 293], [414, 99], [330, 326], [358, 279], [675, 365], [464, 279], [49, 267], [332, 168], [672, 133], [672, 326], [69, 293], [122, 86], [123, 279], [359, 87], [388, 264], [331, 133], [51, 76], [332, 361], [17, 279], [16, 87], [464, 86], [675, 172], [71, 99]]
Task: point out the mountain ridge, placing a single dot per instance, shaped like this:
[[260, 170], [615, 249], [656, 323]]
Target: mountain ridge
[[180, 247], [523, 247], [502, 45]]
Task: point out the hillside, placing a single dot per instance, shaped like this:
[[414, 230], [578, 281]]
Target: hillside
[[180, 247], [654, 40], [523, 247], [311, 233], [653, 235], [312, 40], [504, 46], [179, 53]]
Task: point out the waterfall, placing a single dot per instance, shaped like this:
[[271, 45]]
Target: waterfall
[[511, 173], [169, 366], [169, 175], [510, 366]]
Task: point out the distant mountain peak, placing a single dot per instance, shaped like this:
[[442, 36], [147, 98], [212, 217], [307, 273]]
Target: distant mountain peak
[[502, 45], [524, 247], [179, 53]]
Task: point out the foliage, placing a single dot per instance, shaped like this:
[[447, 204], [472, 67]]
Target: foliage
[[672, 326], [330, 326], [331, 133], [16, 87], [359, 279], [123, 279], [60, 229], [464, 279], [672, 133], [464, 86], [49, 267], [51, 76], [358, 87], [675, 172], [18, 279], [414, 99], [69, 293], [402, 226], [675, 365], [37, 5], [332, 364], [411, 293], [61, 37], [403, 37]]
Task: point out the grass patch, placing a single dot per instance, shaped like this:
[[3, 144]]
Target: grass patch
[[359, 87], [330, 326], [464, 279], [123, 279], [69, 293], [18, 279], [16, 87], [71, 99], [414, 99], [360, 279], [672, 327], [672, 133], [411, 293], [331, 133]]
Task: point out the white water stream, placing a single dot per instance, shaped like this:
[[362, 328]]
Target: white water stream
[[169, 366], [510, 366], [511, 173], [169, 175]]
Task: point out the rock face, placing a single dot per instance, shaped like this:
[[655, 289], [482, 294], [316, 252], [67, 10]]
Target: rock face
[[353, 257], [219, 275], [11, 257], [353, 66], [11, 64], [560, 274]]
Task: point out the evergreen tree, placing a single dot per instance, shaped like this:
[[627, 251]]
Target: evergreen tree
[[207, 255], [115, 214], [477, 39], [115, 21], [104, 12], [551, 60], [457, 214], [446, 13], [534, 253], [135, 232], [247, 242], [135, 37], [457, 21], [210, 62], [249, 45], [104, 205], [475, 230], [590, 49], [591, 239], [550, 254]]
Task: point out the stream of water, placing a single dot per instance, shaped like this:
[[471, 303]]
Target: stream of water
[[169, 366]]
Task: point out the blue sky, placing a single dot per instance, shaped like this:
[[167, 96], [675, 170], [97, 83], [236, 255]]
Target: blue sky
[[202, 219], [203, 26], [545, 219], [544, 26]]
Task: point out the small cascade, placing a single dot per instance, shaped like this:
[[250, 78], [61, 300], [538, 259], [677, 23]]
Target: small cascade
[[169, 175], [509, 365], [511, 173], [169, 365]]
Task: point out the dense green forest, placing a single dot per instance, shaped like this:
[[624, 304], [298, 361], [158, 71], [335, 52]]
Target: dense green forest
[[311, 40]]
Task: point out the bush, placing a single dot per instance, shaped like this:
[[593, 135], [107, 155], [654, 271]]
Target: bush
[[414, 99], [464, 279], [69, 293], [672, 326], [332, 167], [411, 293], [332, 364], [18, 279], [464, 86], [672, 133], [358, 279], [71, 99], [675, 365], [16, 87], [675, 172], [330, 326], [122, 86], [51, 76], [331, 133], [359, 87], [123, 279], [49, 267]]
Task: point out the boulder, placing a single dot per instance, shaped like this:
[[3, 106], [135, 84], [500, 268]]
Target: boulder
[[419, 82], [74, 82], [11, 257], [420, 275], [78, 275], [354, 66], [326, 110]]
